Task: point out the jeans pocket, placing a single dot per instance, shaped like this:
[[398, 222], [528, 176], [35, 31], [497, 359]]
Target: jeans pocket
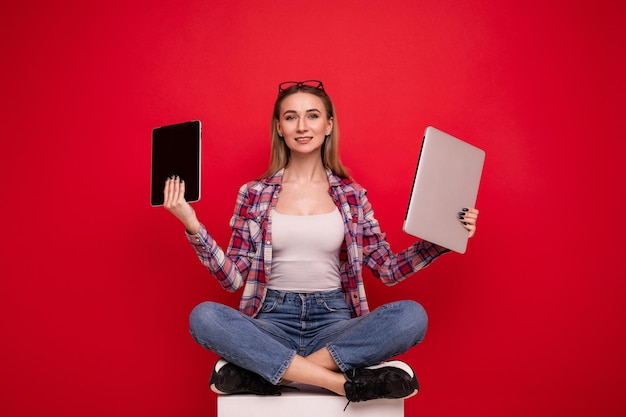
[[335, 304], [269, 305]]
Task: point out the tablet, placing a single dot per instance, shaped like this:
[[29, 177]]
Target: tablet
[[446, 180], [176, 150]]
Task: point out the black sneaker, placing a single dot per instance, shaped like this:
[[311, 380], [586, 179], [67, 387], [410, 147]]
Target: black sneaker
[[228, 378], [393, 379]]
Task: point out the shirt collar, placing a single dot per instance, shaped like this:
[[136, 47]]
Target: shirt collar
[[275, 179]]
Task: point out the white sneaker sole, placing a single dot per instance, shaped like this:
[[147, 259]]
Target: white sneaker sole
[[400, 365], [394, 364], [218, 365]]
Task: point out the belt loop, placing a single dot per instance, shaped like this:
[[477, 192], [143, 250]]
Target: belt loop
[[319, 297]]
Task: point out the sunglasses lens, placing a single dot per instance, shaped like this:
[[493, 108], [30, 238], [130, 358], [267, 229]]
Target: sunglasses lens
[[312, 83], [286, 85], [308, 83]]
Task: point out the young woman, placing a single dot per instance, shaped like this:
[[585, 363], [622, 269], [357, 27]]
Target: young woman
[[301, 235]]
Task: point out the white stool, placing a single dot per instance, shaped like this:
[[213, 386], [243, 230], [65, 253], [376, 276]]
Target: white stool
[[308, 402]]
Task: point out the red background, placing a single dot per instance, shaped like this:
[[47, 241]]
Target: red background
[[96, 285]]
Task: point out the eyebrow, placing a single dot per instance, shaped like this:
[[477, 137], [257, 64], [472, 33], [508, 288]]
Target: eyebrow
[[307, 111]]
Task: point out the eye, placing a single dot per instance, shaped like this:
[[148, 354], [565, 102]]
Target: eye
[[314, 116], [290, 117]]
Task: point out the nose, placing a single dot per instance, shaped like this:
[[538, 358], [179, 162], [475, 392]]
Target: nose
[[302, 126]]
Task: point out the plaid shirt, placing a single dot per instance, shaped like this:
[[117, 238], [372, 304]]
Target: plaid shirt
[[248, 261]]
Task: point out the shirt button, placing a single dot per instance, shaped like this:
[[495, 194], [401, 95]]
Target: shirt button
[[267, 242]]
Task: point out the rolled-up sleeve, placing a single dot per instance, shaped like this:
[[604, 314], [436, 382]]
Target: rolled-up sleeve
[[388, 266]]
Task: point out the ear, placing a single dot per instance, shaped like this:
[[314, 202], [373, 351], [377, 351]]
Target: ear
[[329, 126], [280, 133]]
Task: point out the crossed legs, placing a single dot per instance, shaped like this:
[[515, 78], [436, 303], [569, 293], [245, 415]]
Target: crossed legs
[[317, 369], [261, 347]]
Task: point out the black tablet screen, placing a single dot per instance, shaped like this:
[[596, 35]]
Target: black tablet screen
[[176, 150]]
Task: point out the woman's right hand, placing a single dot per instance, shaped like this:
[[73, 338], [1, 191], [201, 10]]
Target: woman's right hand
[[175, 203]]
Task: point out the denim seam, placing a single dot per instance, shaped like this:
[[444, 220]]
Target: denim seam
[[342, 366], [281, 371], [270, 332], [355, 324]]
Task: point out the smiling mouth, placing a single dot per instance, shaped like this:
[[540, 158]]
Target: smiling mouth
[[305, 139]]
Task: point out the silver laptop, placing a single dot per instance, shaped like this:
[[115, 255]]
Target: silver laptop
[[446, 180]]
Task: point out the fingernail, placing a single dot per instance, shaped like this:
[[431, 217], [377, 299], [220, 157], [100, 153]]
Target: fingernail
[[465, 209], [461, 216], [464, 223]]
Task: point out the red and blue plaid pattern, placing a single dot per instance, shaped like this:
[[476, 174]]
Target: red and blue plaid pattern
[[248, 260]]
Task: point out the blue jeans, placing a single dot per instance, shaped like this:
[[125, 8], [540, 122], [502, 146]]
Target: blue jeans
[[292, 323]]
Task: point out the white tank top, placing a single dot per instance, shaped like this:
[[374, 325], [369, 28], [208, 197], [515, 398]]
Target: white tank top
[[305, 252]]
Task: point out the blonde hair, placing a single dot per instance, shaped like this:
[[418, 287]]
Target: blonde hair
[[280, 153]]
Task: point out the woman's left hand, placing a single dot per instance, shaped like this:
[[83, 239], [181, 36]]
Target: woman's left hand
[[468, 218]]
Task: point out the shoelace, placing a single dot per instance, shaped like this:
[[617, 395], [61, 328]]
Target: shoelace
[[344, 409], [370, 390], [366, 391]]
